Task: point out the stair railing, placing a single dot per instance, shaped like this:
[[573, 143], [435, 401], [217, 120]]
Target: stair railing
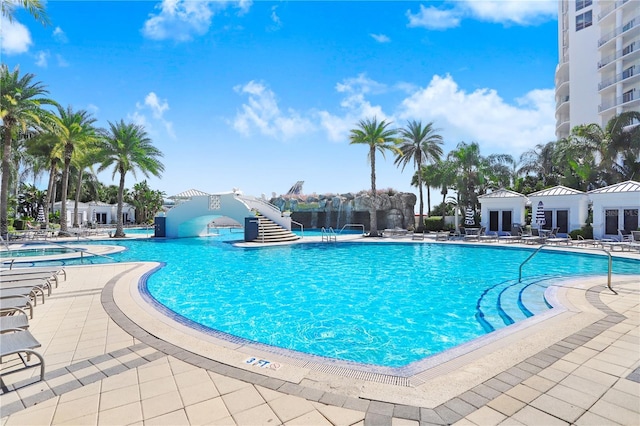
[[301, 227], [610, 264]]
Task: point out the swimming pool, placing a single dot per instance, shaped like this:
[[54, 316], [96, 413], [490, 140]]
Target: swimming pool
[[388, 304]]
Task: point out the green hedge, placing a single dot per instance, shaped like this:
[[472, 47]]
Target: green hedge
[[434, 223]]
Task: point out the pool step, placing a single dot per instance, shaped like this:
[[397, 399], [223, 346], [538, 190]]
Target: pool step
[[510, 302]]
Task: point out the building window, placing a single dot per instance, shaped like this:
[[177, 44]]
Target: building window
[[627, 96], [581, 4], [584, 20], [628, 49], [628, 72]]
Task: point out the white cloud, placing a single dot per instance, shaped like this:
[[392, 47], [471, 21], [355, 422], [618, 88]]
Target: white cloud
[[480, 116], [508, 12], [277, 23], [483, 116], [60, 36], [433, 18], [15, 37], [157, 107], [380, 38], [42, 59], [354, 107], [181, 20], [261, 112]]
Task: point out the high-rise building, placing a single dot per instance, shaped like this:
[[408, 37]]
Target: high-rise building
[[598, 73]]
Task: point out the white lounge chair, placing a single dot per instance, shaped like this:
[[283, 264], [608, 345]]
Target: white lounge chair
[[20, 343]]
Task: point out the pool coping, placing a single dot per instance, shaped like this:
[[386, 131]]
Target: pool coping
[[454, 377]]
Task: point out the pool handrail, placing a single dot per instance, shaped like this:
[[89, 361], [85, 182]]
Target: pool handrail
[[329, 234], [301, 227], [352, 225], [597, 248]]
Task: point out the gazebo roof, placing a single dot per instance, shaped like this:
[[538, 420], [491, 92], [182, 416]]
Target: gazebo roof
[[187, 194], [628, 186], [502, 193], [556, 190]]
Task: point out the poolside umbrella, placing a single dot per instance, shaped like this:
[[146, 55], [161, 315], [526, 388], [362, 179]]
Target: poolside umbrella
[[468, 217], [540, 214], [40, 215], [94, 218]]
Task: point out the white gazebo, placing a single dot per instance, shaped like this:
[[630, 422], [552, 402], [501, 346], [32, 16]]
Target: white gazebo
[[615, 207], [502, 209], [564, 208]]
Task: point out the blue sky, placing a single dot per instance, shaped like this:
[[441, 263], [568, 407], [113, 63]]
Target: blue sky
[[258, 95]]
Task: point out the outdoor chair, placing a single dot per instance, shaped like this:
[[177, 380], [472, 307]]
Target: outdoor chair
[[16, 304], [10, 323], [20, 342], [625, 236], [508, 237]]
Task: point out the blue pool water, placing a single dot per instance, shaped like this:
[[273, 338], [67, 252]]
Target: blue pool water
[[387, 304]]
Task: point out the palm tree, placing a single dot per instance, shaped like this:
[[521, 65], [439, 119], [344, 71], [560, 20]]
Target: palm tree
[[86, 158], [541, 162], [45, 147], [34, 7], [20, 109], [76, 132], [616, 146], [379, 138], [126, 147], [419, 144]]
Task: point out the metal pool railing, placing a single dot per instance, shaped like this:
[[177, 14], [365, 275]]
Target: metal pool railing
[[328, 235], [610, 265]]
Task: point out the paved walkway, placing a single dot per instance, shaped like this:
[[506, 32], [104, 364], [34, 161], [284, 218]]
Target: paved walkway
[[111, 360]]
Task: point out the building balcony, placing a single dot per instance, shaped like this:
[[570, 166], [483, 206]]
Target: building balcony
[[627, 52], [628, 99], [633, 23], [563, 127], [607, 10], [627, 74], [562, 104]]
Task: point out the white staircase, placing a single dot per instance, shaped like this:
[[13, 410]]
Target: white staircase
[[271, 232]]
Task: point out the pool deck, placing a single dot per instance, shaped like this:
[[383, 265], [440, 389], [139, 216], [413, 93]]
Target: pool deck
[[113, 359]]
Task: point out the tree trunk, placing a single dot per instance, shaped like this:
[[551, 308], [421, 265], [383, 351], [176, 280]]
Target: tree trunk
[[4, 196], [65, 191], [77, 200], [119, 222], [421, 216], [373, 231], [48, 198]]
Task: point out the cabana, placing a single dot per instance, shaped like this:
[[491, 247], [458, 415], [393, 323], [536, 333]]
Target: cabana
[[564, 208], [501, 209], [97, 212], [615, 207]]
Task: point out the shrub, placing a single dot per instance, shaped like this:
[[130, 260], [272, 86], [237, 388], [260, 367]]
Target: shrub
[[575, 233], [433, 223]]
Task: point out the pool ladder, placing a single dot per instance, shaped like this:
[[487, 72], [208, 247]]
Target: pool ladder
[[545, 245], [329, 235]]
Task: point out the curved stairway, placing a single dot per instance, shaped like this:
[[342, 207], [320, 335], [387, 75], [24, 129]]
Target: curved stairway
[[271, 232]]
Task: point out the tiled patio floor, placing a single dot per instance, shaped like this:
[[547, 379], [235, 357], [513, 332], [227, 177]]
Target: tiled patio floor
[[104, 368]]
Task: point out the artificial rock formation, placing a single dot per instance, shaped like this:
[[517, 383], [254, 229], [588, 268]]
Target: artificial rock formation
[[336, 211]]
